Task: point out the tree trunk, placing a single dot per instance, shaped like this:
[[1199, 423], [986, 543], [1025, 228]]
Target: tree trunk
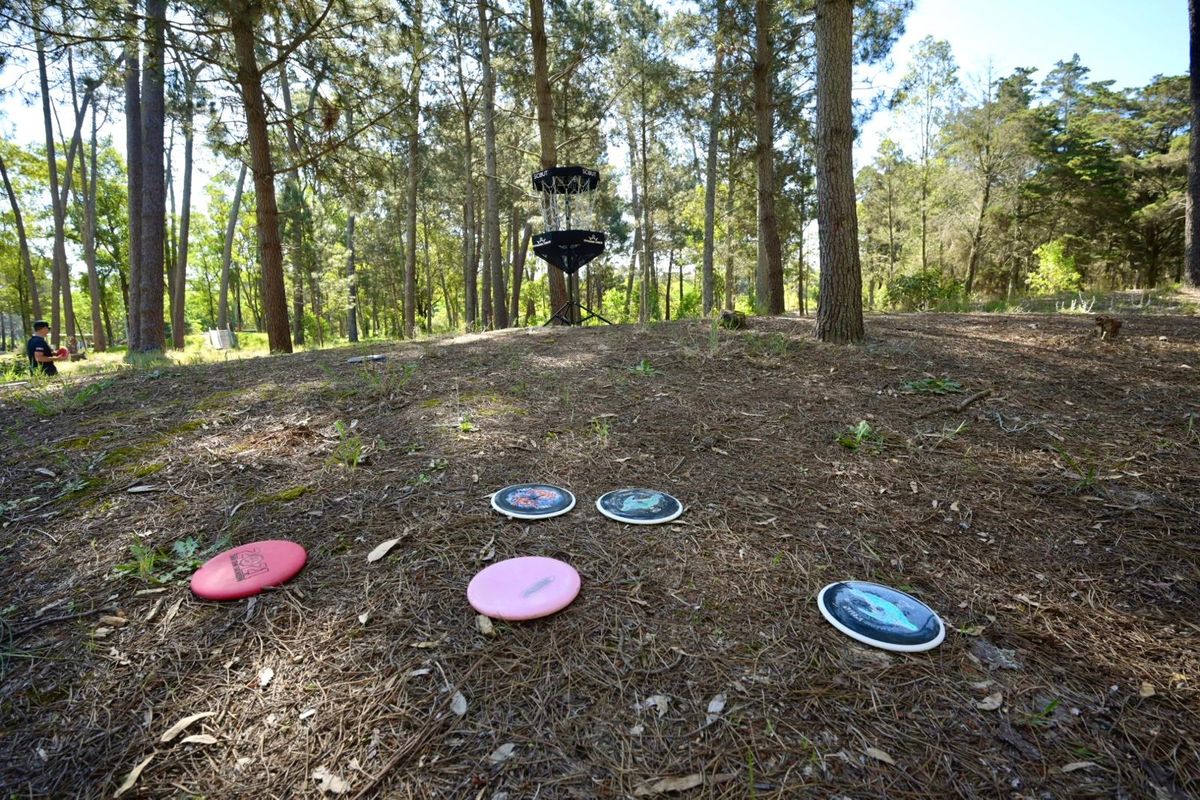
[[839, 303], [729, 222], [414, 145], [647, 217], [545, 118], [1192, 218], [244, 14], [133, 180], [470, 276], [227, 252], [99, 341], [154, 192], [710, 172], [518, 272], [637, 215], [294, 205], [185, 222], [61, 274], [977, 239], [492, 226], [23, 245], [769, 274]]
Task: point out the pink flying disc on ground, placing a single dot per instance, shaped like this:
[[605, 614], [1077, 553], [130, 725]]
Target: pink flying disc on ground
[[523, 588], [248, 569]]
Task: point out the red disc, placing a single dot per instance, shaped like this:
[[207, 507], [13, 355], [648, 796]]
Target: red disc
[[62, 351], [248, 569]]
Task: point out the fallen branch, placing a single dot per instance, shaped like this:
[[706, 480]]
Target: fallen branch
[[959, 407], [41, 623]]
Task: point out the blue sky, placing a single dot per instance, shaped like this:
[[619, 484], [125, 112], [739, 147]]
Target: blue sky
[[1127, 42]]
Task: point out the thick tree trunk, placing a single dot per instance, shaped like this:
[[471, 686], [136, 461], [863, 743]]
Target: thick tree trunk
[[839, 303], [244, 14], [133, 180], [227, 252], [769, 274], [154, 191], [729, 222], [647, 217], [414, 145], [545, 117], [710, 171], [23, 245], [1192, 219], [519, 255], [185, 223], [637, 215]]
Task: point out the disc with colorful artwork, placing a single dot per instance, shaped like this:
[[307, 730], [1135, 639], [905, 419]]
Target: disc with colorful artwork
[[248, 569], [881, 617], [639, 506], [523, 588], [533, 501]]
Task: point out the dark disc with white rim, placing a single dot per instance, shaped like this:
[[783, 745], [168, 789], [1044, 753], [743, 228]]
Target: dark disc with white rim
[[639, 506], [881, 616], [533, 501]]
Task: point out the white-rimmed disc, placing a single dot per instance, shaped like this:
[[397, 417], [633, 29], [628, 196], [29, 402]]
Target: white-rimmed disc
[[533, 501], [881, 616], [639, 506]]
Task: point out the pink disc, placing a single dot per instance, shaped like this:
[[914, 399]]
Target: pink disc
[[523, 588], [248, 569]]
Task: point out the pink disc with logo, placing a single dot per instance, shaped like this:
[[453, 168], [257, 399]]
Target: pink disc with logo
[[523, 588], [248, 569]]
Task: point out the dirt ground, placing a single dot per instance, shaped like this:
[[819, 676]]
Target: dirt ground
[[1052, 523]]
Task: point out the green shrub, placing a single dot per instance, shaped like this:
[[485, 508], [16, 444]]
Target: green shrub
[[922, 291], [1056, 272]]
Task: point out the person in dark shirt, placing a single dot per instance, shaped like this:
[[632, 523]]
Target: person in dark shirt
[[41, 355]]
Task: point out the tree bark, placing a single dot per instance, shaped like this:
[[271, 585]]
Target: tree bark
[[242, 18], [414, 145], [499, 303], [99, 341], [227, 253], [1192, 218], [545, 117], [61, 274], [710, 172], [470, 277], [185, 222], [133, 180], [518, 272], [769, 273], [294, 204], [154, 191], [977, 239], [729, 221], [839, 302], [23, 245]]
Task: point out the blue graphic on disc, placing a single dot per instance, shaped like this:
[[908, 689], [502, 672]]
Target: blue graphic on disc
[[533, 500], [881, 616], [639, 506]]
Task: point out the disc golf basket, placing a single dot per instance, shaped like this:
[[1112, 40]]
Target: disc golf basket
[[568, 243]]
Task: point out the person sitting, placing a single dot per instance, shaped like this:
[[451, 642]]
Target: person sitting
[[41, 355]]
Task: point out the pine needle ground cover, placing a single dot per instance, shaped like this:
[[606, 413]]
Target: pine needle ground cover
[[1051, 522]]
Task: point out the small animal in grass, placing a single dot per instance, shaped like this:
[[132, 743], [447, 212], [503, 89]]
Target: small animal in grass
[[734, 320], [1108, 327]]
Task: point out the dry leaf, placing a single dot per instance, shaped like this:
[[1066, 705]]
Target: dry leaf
[[426, 645], [115, 622], [265, 675], [488, 551], [330, 781], [171, 612], [178, 727], [308, 712], [418, 672], [1074, 765], [484, 624], [991, 702], [381, 550], [153, 610], [46, 472], [879, 755], [132, 777], [715, 707], [669, 785], [458, 704], [100, 633], [143, 489], [658, 701], [363, 617], [502, 753], [199, 738], [1146, 690]]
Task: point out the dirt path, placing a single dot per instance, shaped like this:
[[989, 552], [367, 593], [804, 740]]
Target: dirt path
[[1053, 524]]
